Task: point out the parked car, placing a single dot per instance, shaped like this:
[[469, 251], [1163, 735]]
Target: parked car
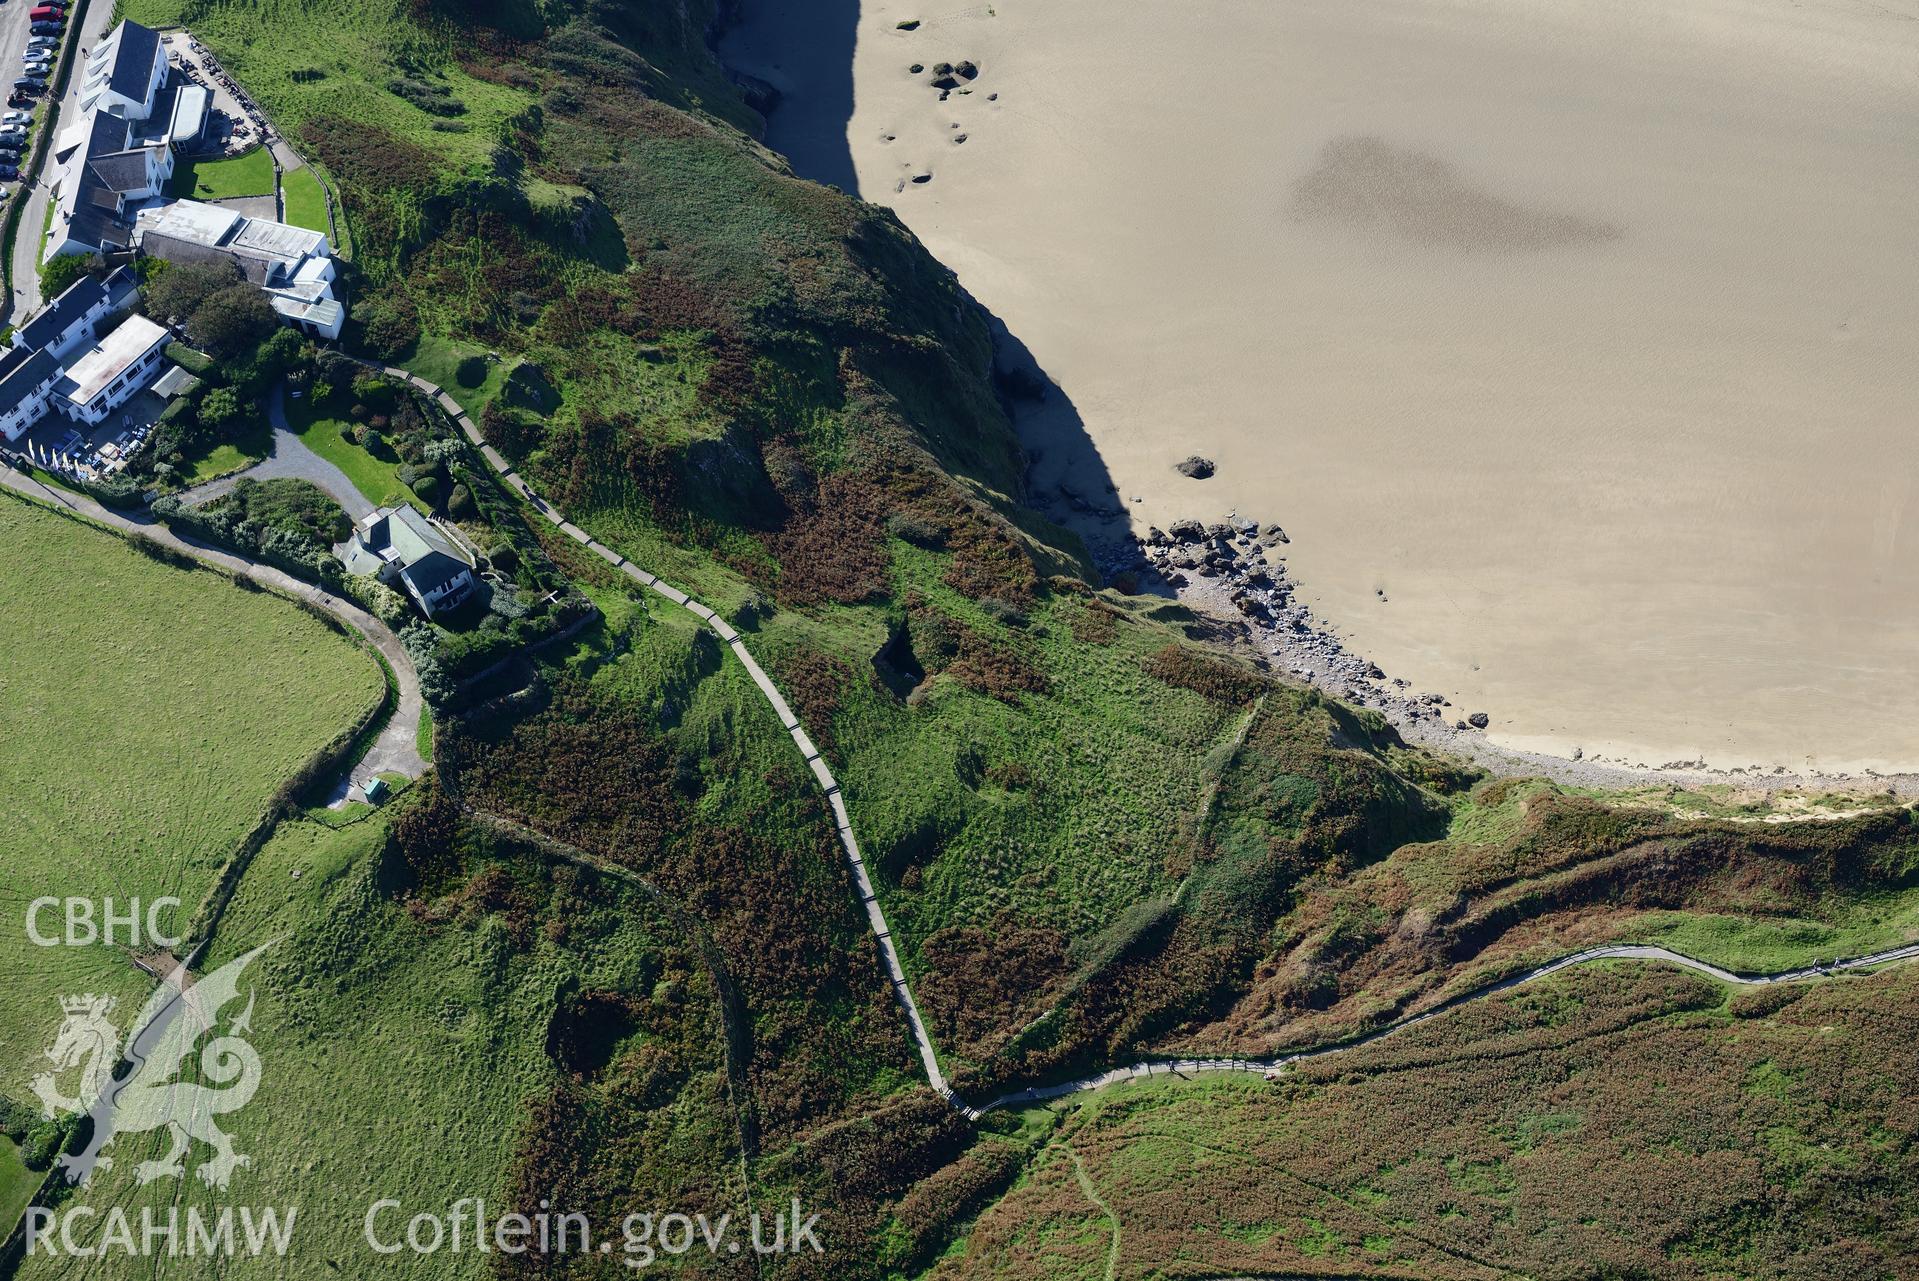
[[8, 173], [38, 68], [49, 13], [21, 118], [46, 28], [30, 84]]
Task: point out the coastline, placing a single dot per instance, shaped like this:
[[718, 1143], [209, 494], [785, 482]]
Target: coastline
[[1599, 625]]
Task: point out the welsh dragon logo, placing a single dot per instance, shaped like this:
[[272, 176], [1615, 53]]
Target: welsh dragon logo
[[182, 1012]]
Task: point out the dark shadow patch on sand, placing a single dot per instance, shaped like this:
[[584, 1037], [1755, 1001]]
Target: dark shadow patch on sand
[[802, 50], [1369, 183]]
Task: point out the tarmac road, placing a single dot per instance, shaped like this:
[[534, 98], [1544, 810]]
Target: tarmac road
[[14, 22]]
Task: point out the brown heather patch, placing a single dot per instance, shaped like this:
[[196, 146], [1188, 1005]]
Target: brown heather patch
[[1214, 678], [814, 683], [1093, 621], [982, 983], [944, 644]]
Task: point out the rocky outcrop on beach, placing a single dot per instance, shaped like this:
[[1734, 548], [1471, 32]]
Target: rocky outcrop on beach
[[1235, 569]]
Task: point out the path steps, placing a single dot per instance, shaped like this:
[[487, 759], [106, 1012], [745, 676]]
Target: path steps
[[883, 935]]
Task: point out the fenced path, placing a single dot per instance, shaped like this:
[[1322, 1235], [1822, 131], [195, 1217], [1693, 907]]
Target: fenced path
[[876, 918]]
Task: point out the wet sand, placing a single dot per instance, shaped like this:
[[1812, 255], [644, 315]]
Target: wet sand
[[1576, 345]]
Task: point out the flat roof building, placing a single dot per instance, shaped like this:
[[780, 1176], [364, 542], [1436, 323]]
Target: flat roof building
[[114, 371]]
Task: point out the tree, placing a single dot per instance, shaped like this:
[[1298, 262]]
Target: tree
[[58, 275], [220, 409], [256, 373], [178, 291], [231, 320]]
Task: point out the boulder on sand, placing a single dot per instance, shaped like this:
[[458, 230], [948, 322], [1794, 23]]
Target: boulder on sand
[[1479, 720], [1186, 531], [1195, 468]]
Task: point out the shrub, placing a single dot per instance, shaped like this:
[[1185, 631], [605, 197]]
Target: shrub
[[505, 557], [460, 504], [230, 320], [1003, 612], [389, 323], [1214, 678], [194, 362], [115, 491], [335, 369], [916, 530], [220, 409], [428, 488], [514, 432], [379, 600], [437, 100], [471, 371], [58, 275]]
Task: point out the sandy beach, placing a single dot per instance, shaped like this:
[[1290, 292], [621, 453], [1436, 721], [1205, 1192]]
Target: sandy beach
[[1576, 346]]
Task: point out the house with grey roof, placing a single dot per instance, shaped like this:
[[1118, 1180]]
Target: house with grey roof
[[72, 357], [114, 155], [399, 545], [113, 167]]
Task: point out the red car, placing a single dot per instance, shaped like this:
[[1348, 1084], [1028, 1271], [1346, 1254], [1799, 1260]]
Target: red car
[[48, 13]]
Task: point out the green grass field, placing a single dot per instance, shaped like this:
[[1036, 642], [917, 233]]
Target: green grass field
[[305, 202], [438, 360], [248, 175], [307, 58], [375, 478], [1747, 945], [17, 1183], [151, 713], [399, 1055]]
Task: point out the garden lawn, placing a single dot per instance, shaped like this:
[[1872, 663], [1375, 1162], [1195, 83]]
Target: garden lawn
[[248, 175], [438, 361], [151, 714], [375, 478], [305, 202], [230, 456]]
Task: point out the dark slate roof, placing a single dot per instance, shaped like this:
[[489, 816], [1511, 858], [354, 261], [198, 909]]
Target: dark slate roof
[[100, 229], [133, 60], [108, 134], [25, 378], [186, 252], [122, 171], [46, 325]]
